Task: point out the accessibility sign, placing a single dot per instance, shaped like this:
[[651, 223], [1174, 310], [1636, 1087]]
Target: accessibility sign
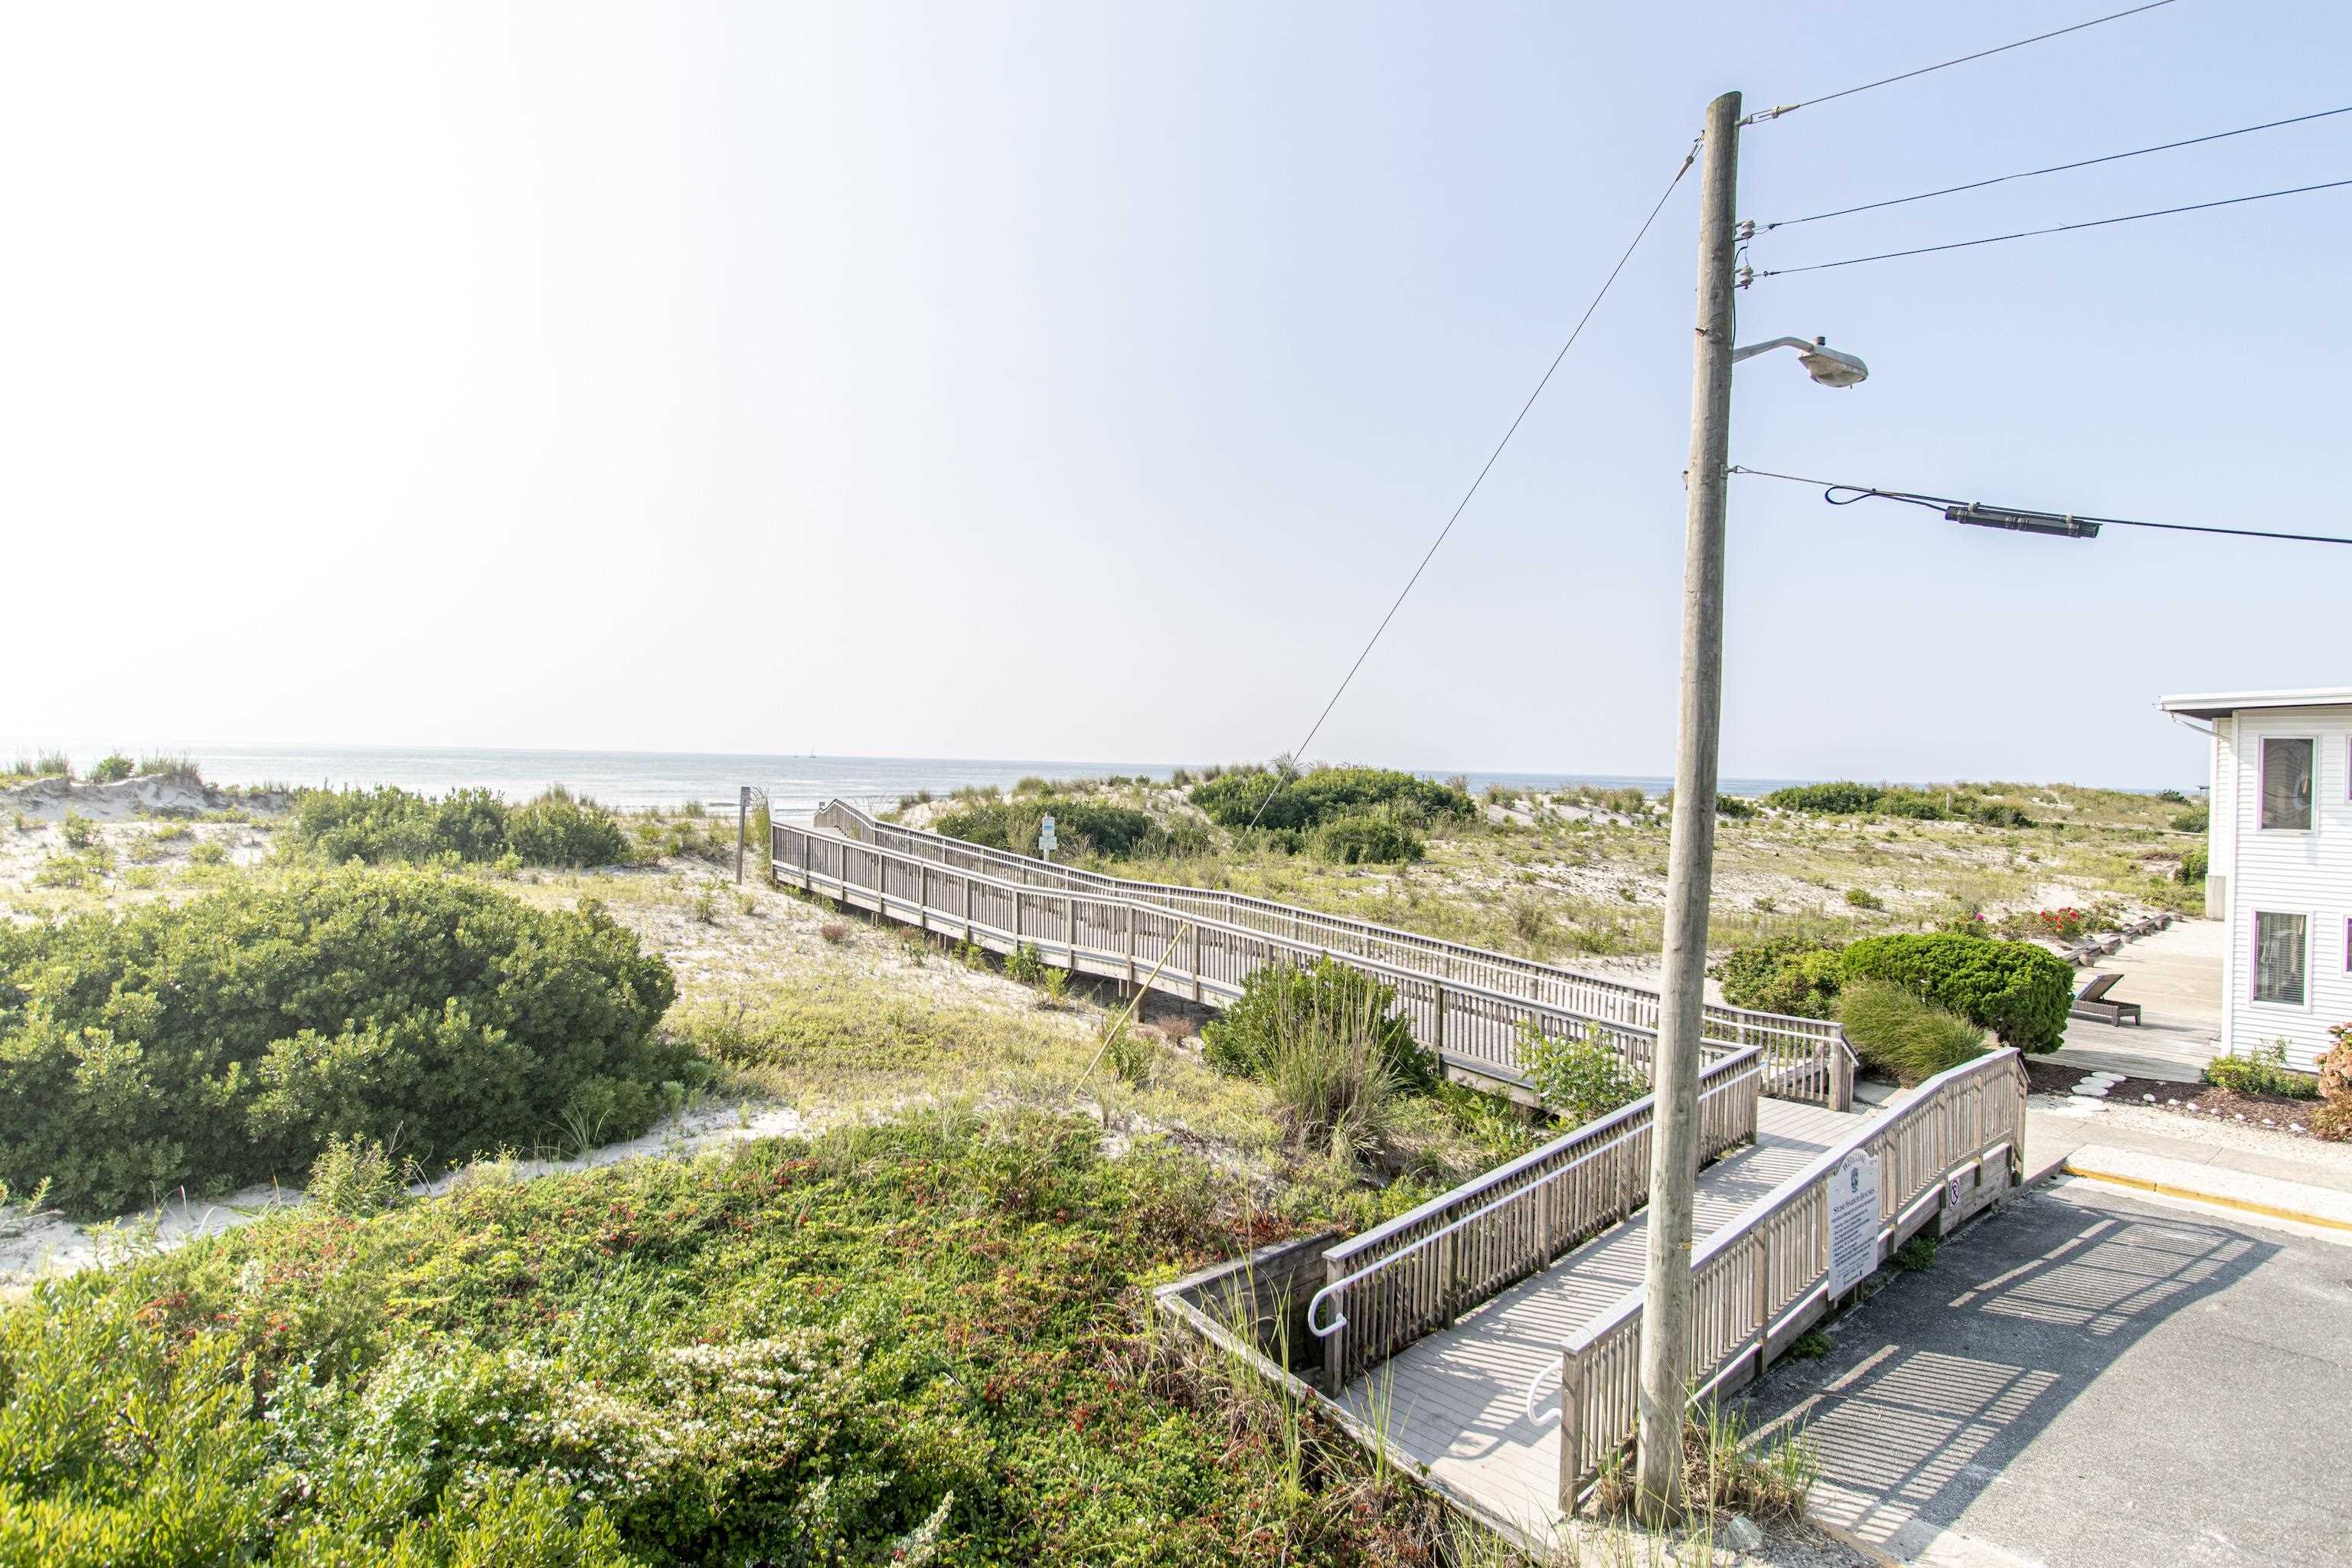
[[1853, 1221]]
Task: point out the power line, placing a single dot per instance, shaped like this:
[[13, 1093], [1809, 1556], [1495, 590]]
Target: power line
[[1945, 65], [2032, 233], [1688, 159], [1830, 491], [2053, 169]]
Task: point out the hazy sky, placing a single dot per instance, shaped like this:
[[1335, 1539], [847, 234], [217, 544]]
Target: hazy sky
[[1082, 380]]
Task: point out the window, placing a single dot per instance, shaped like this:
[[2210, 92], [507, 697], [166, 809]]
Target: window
[[2281, 958], [2286, 783]]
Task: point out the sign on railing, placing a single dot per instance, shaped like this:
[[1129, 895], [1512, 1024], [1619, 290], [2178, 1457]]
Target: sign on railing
[[1950, 1148]]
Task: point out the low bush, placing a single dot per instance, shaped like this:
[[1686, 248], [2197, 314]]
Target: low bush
[[1080, 828], [2193, 865], [79, 832], [1278, 1002], [1900, 1035], [388, 825], [2197, 821], [228, 1040], [2016, 989], [1356, 840], [2262, 1070], [1847, 798], [112, 767], [1321, 796], [1782, 975], [1579, 1077], [1863, 899]]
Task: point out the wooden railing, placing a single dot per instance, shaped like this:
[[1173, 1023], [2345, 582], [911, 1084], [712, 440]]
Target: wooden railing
[[1469, 1026], [1762, 1281], [1804, 1059], [1413, 1275]]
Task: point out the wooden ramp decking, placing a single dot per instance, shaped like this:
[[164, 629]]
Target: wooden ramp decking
[[1457, 1401]]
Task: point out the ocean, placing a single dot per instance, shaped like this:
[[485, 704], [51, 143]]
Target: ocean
[[634, 779]]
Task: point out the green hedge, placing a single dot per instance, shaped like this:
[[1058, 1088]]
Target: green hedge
[[2019, 991], [224, 1041], [388, 825], [1359, 840], [1844, 797], [1327, 794]]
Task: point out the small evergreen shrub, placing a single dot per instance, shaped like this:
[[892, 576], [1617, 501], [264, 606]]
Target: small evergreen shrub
[[1863, 899], [2016, 989], [557, 829], [1900, 1035], [389, 825], [1080, 826], [1846, 798], [111, 767], [2196, 821], [80, 831], [2262, 1070], [231, 1040], [2193, 865], [1782, 975]]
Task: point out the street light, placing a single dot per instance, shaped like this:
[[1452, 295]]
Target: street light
[[1825, 364]]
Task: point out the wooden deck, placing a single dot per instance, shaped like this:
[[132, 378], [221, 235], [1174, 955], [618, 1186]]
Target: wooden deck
[[1457, 1401]]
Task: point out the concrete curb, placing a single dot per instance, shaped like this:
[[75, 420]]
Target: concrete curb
[[2185, 1179]]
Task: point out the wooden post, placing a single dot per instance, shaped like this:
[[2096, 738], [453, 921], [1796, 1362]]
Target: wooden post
[[1572, 1430], [1763, 1297], [967, 906], [1841, 1074], [1334, 1349], [1439, 1047]]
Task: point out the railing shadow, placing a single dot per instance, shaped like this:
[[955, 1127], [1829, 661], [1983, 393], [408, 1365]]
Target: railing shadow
[[1946, 1376]]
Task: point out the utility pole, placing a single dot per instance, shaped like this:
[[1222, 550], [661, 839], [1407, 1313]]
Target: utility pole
[[1690, 873]]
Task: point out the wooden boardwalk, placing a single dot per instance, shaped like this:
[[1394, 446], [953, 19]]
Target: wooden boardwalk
[[1457, 1401]]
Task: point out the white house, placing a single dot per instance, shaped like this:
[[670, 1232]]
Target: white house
[[2281, 863]]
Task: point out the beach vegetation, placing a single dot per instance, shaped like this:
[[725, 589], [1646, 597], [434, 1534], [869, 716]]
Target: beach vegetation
[[112, 768], [1366, 838], [1281, 1004], [1081, 828], [1788, 975], [79, 831], [226, 1040], [2018, 990], [1282, 798], [911, 1342], [388, 825], [1900, 1035], [1579, 1074]]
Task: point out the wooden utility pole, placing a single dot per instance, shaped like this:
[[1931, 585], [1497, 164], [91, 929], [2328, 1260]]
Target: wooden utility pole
[[1690, 872]]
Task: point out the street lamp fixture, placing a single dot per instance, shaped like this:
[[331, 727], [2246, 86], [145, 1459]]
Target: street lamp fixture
[[1824, 363]]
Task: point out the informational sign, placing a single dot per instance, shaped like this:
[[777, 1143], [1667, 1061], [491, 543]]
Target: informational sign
[[1853, 1221], [1045, 837]]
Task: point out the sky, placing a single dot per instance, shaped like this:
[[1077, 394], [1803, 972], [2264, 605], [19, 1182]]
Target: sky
[[1083, 381]]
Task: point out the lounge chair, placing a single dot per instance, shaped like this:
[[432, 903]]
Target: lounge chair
[[2091, 1002]]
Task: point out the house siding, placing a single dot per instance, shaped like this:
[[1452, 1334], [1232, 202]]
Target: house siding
[[2306, 873]]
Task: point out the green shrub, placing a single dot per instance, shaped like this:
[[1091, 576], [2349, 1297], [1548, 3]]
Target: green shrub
[[1846, 798], [1080, 826], [557, 829], [111, 767], [1896, 1032], [388, 825], [2193, 865], [2262, 1070], [1843, 798], [1357, 840], [80, 831], [2016, 989], [1581, 1076], [1278, 1001], [1308, 800], [2197, 821], [1733, 808], [1025, 964], [1863, 899], [1782, 975], [228, 1040]]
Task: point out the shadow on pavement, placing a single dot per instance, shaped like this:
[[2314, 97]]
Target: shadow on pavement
[[1941, 1380]]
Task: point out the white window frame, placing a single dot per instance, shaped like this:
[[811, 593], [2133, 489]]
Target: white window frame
[[2263, 787], [2255, 997]]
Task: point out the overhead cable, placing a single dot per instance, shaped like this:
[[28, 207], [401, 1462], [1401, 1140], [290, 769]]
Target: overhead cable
[[1688, 159], [1748, 277], [2053, 169], [1775, 113], [1978, 512]]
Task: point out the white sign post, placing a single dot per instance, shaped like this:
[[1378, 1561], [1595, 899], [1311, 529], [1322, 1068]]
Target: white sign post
[[1854, 1222], [1045, 837]]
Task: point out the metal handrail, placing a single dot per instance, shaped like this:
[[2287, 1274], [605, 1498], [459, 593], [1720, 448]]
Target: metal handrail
[[1516, 1193]]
